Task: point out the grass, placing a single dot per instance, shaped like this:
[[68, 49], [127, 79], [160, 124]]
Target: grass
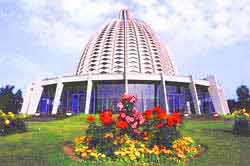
[[42, 144]]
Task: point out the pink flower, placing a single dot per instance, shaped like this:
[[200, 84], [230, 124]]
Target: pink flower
[[134, 126], [127, 118], [120, 105], [132, 119], [123, 115], [132, 99], [141, 121], [124, 97]]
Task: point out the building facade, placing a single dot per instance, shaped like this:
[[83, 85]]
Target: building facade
[[125, 56]]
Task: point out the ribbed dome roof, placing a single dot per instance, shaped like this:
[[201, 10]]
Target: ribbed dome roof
[[125, 44]]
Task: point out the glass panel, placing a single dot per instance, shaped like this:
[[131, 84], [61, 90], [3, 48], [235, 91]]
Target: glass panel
[[179, 98], [205, 101], [148, 95], [46, 101], [73, 98], [106, 95], [75, 105]]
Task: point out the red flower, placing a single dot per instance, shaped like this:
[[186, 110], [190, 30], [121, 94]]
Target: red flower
[[170, 120], [148, 114], [161, 114], [157, 109], [106, 117], [159, 126], [121, 124], [177, 117], [90, 118]]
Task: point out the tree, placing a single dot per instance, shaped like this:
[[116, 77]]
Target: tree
[[10, 101], [243, 96]]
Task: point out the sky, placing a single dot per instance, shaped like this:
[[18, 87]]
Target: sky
[[44, 38]]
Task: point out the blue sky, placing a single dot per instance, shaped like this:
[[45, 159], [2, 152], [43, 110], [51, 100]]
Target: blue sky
[[40, 39]]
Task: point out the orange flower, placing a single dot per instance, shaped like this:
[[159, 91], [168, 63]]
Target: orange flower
[[177, 117], [106, 117], [161, 114], [148, 114], [121, 124], [157, 109], [90, 118], [159, 126], [170, 120]]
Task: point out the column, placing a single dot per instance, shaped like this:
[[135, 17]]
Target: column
[[194, 95], [58, 94], [88, 96], [27, 100], [35, 99], [217, 96], [163, 94]]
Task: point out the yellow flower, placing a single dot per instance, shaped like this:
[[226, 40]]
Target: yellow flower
[[180, 155], [84, 155], [94, 154], [142, 145], [132, 157], [79, 139], [7, 122], [103, 155], [108, 135], [122, 153], [137, 153], [246, 114], [117, 153], [115, 142], [166, 151]]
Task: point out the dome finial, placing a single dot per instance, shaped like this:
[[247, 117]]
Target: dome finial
[[125, 14]]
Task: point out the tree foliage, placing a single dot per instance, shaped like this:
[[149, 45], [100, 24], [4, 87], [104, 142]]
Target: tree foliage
[[243, 96], [10, 101]]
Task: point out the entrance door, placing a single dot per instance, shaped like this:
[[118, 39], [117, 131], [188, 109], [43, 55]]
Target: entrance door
[[75, 103], [176, 103], [78, 103], [45, 105]]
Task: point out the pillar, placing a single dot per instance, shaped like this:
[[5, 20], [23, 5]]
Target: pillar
[[88, 96], [35, 99], [163, 94], [217, 96], [194, 95], [58, 94], [27, 100]]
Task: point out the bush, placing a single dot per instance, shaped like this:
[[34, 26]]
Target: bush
[[10, 124], [241, 122]]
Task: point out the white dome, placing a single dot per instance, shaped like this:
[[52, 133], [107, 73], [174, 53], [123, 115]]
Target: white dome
[[125, 44]]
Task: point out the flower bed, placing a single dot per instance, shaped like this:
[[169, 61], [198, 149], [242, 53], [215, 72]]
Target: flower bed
[[241, 122], [9, 123], [135, 136]]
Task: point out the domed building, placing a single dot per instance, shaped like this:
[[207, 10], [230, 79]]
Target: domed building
[[125, 56]]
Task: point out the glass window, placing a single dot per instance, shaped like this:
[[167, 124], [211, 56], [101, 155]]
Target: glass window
[[46, 101], [106, 95], [205, 100], [73, 98], [148, 94], [179, 98]]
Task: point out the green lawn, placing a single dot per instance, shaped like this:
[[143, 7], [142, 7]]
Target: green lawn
[[42, 144]]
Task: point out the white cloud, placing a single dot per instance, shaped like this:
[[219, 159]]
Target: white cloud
[[17, 69], [64, 24], [27, 67], [193, 24], [199, 25]]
